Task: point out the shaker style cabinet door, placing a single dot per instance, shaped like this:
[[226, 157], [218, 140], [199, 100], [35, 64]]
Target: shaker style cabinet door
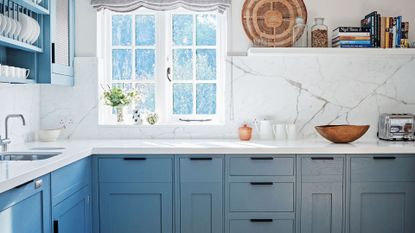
[[136, 208], [73, 214], [201, 195], [382, 207], [62, 39], [321, 208], [26, 208]]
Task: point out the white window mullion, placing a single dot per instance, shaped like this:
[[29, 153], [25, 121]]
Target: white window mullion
[[194, 64]]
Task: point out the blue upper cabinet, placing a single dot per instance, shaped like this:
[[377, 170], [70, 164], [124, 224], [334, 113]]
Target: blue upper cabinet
[[57, 61], [26, 208]]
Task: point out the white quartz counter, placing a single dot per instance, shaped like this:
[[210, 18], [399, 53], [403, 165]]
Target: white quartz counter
[[14, 173]]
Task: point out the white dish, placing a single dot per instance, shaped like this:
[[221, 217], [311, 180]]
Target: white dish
[[8, 28], [1, 24], [36, 31], [49, 135], [28, 28]]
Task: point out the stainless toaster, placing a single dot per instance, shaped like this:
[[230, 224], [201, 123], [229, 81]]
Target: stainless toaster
[[396, 127]]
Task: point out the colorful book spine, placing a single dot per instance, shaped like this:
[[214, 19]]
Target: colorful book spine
[[351, 38], [350, 29], [354, 42], [370, 22], [352, 46]]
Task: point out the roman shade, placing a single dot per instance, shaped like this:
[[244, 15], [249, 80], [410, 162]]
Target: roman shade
[[161, 5]]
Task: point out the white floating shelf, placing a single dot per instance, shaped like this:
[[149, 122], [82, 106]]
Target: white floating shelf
[[328, 51]]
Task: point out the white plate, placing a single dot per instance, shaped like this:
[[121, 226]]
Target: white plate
[[28, 28], [2, 24], [8, 26], [36, 32]]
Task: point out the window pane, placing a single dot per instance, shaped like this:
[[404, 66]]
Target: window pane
[[145, 29], [147, 102], [206, 30], [206, 64], [121, 64], [206, 98], [183, 64], [121, 29], [183, 29], [182, 98], [145, 64]]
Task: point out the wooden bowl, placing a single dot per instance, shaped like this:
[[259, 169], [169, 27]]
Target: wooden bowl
[[342, 133]]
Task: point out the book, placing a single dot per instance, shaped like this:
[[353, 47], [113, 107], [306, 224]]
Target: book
[[352, 34], [352, 46], [352, 42], [351, 38], [382, 32], [398, 32], [369, 22], [378, 30], [405, 35], [350, 29]]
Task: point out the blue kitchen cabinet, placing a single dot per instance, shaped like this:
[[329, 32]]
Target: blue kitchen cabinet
[[201, 194], [135, 194], [26, 208], [382, 194], [71, 198], [56, 63], [321, 209]]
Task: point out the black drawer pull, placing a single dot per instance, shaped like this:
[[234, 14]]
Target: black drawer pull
[[322, 158], [384, 158], [262, 158], [55, 226], [201, 159], [135, 159], [262, 183], [24, 184], [261, 220]]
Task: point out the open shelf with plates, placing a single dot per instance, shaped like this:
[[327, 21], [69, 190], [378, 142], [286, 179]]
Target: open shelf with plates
[[36, 6], [15, 44]]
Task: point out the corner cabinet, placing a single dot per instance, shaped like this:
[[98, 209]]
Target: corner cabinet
[[26, 208]]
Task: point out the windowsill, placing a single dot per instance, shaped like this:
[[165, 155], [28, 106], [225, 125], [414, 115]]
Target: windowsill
[[160, 125]]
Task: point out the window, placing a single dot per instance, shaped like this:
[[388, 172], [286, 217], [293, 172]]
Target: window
[[175, 60]]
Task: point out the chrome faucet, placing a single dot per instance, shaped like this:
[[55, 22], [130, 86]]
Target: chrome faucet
[[4, 142]]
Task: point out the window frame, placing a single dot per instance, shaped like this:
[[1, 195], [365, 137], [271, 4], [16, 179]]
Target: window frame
[[163, 60]]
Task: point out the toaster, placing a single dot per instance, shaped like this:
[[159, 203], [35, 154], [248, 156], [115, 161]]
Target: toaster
[[396, 127]]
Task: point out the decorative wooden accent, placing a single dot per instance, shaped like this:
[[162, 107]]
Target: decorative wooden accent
[[342, 133], [270, 22]]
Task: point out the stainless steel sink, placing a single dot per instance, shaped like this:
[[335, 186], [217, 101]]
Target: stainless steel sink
[[27, 156]]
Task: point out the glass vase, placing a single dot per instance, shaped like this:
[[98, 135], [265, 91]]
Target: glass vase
[[120, 114]]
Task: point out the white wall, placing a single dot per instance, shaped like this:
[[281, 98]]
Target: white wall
[[336, 12]]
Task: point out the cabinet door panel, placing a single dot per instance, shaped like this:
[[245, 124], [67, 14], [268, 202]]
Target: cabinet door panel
[[74, 213], [321, 208], [201, 208], [136, 207], [26, 209], [382, 207]]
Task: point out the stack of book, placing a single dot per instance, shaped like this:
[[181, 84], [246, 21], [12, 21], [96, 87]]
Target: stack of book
[[386, 32], [351, 37]]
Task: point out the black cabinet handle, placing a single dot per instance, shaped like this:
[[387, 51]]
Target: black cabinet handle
[[53, 53], [262, 183], [21, 185], [201, 159], [261, 220], [262, 158], [322, 158], [135, 159], [55, 226], [384, 158]]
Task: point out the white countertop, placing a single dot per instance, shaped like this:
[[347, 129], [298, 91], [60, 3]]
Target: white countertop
[[14, 173]]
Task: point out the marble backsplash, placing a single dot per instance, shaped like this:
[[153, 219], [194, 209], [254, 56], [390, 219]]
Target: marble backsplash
[[305, 90], [20, 99]]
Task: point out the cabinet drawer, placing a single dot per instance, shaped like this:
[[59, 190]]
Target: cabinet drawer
[[70, 179], [261, 166], [261, 196], [383, 168], [314, 168], [135, 169], [201, 169], [261, 225]]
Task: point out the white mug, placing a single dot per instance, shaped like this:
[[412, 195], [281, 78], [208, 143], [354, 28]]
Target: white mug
[[4, 71], [23, 73], [279, 131]]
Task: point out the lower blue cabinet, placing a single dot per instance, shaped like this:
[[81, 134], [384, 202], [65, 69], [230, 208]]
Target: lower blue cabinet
[[73, 215], [382, 207], [136, 208], [26, 208]]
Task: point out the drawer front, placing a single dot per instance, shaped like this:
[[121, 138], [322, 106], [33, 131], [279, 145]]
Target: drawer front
[[383, 168], [261, 166], [201, 169], [261, 196], [322, 169], [70, 179], [135, 169], [261, 225]]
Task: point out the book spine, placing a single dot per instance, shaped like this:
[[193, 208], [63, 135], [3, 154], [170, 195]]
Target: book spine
[[364, 34], [382, 32], [353, 46], [371, 17], [398, 31], [351, 38], [350, 29], [378, 34], [354, 42]]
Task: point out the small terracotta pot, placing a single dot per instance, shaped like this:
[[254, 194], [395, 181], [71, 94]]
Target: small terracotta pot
[[245, 133]]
